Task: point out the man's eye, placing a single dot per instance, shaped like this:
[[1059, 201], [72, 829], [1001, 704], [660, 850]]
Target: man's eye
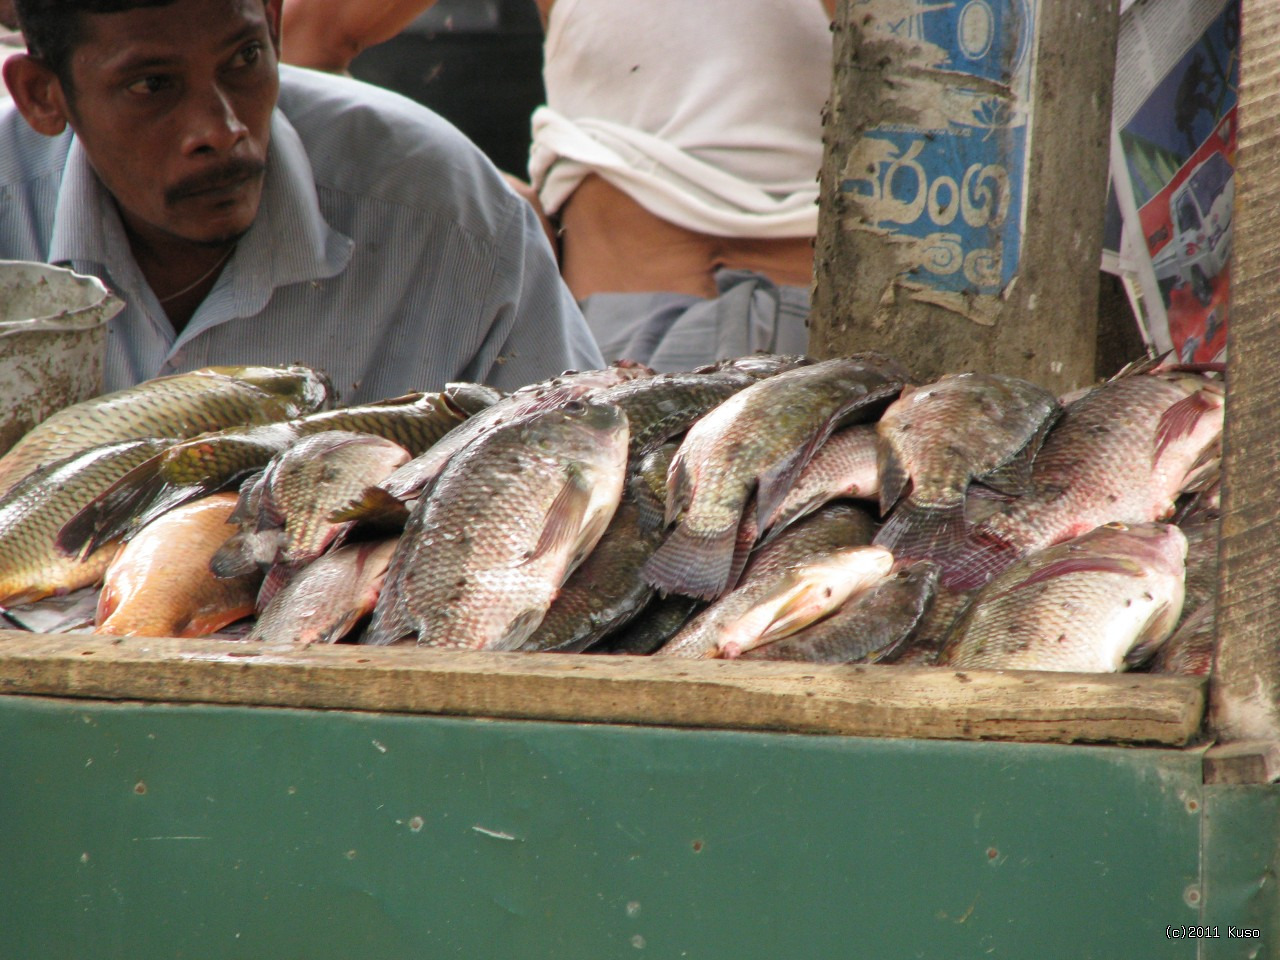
[[249, 55], [149, 84]]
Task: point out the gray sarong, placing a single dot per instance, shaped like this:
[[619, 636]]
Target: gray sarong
[[673, 332]]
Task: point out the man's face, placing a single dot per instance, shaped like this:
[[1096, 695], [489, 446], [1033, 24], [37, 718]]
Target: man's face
[[173, 107]]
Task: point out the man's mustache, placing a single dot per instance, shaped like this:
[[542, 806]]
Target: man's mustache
[[233, 173]]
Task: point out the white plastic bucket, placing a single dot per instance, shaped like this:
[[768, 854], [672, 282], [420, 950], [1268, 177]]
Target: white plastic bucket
[[52, 334]]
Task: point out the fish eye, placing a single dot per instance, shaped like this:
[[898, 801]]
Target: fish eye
[[575, 408]]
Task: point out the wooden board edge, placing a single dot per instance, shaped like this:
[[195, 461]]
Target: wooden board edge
[[864, 701]]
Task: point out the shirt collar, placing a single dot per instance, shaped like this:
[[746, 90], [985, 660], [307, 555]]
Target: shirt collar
[[289, 242]]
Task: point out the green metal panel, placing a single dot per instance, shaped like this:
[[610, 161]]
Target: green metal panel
[[1241, 853], [157, 831]]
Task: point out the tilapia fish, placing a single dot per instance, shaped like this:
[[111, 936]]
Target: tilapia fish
[[160, 584], [756, 442], [284, 515], [486, 551], [411, 480], [663, 406], [415, 421], [938, 438], [174, 407], [844, 466], [328, 597], [1092, 604], [32, 513], [832, 529], [868, 627], [1123, 452], [765, 609], [605, 592]]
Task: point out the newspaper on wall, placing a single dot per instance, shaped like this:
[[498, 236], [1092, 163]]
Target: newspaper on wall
[[1173, 147]]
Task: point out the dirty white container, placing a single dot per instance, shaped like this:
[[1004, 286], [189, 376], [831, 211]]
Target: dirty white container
[[53, 325]]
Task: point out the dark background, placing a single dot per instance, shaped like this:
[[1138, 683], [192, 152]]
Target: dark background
[[476, 62]]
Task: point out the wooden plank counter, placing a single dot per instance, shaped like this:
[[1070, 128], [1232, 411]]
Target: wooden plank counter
[[865, 701]]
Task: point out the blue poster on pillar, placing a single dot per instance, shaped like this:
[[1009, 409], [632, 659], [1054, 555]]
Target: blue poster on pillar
[[947, 184]]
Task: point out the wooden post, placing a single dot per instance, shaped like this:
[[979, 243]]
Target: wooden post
[[963, 186], [1245, 685]]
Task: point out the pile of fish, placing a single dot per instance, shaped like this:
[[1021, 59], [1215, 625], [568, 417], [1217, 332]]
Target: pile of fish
[[765, 507]]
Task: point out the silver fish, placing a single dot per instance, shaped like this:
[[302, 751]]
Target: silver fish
[[328, 597], [765, 609], [1092, 604], [1123, 453], [869, 627], [756, 442], [486, 551], [938, 438]]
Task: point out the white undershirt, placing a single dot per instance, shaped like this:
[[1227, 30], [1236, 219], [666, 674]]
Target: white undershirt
[[706, 112]]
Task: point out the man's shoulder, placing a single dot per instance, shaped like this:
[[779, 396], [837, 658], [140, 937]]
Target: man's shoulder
[[363, 140]]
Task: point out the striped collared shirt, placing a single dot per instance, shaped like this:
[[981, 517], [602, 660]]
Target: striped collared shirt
[[387, 252]]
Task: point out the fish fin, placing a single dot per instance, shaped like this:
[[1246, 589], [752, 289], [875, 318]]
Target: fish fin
[[693, 565], [404, 400], [1145, 648], [404, 483], [376, 507], [110, 513], [278, 577], [679, 489], [1180, 421], [1072, 565], [924, 531], [235, 557], [743, 543], [518, 631], [893, 476], [247, 505], [1206, 471], [564, 520], [1013, 477], [982, 557], [108, 600], [792, 616], [1158, 628], [773, 485]]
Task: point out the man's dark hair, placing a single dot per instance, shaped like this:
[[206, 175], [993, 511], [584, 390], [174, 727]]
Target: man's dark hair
[[54, 28]]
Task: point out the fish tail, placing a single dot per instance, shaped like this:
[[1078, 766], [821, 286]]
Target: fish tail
[[924, 531], [693, 564], [389, 623]]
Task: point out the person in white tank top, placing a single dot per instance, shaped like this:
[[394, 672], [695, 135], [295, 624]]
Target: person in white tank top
[[675, 161]]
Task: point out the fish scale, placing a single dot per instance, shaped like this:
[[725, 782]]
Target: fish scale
[[1123, 452], [174, 407], [32, 513], [1088, 604], [505, 523], [756, 442]]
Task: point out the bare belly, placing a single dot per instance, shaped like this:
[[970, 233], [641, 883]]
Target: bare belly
[[611, 244]]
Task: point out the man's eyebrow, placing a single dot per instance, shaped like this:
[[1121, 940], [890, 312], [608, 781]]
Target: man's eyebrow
[[144, 61]]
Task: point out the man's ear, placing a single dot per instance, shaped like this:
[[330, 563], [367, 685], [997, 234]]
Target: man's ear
[[37, 93], [273, 9]]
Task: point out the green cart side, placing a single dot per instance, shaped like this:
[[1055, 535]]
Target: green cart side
[[397, 818]]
